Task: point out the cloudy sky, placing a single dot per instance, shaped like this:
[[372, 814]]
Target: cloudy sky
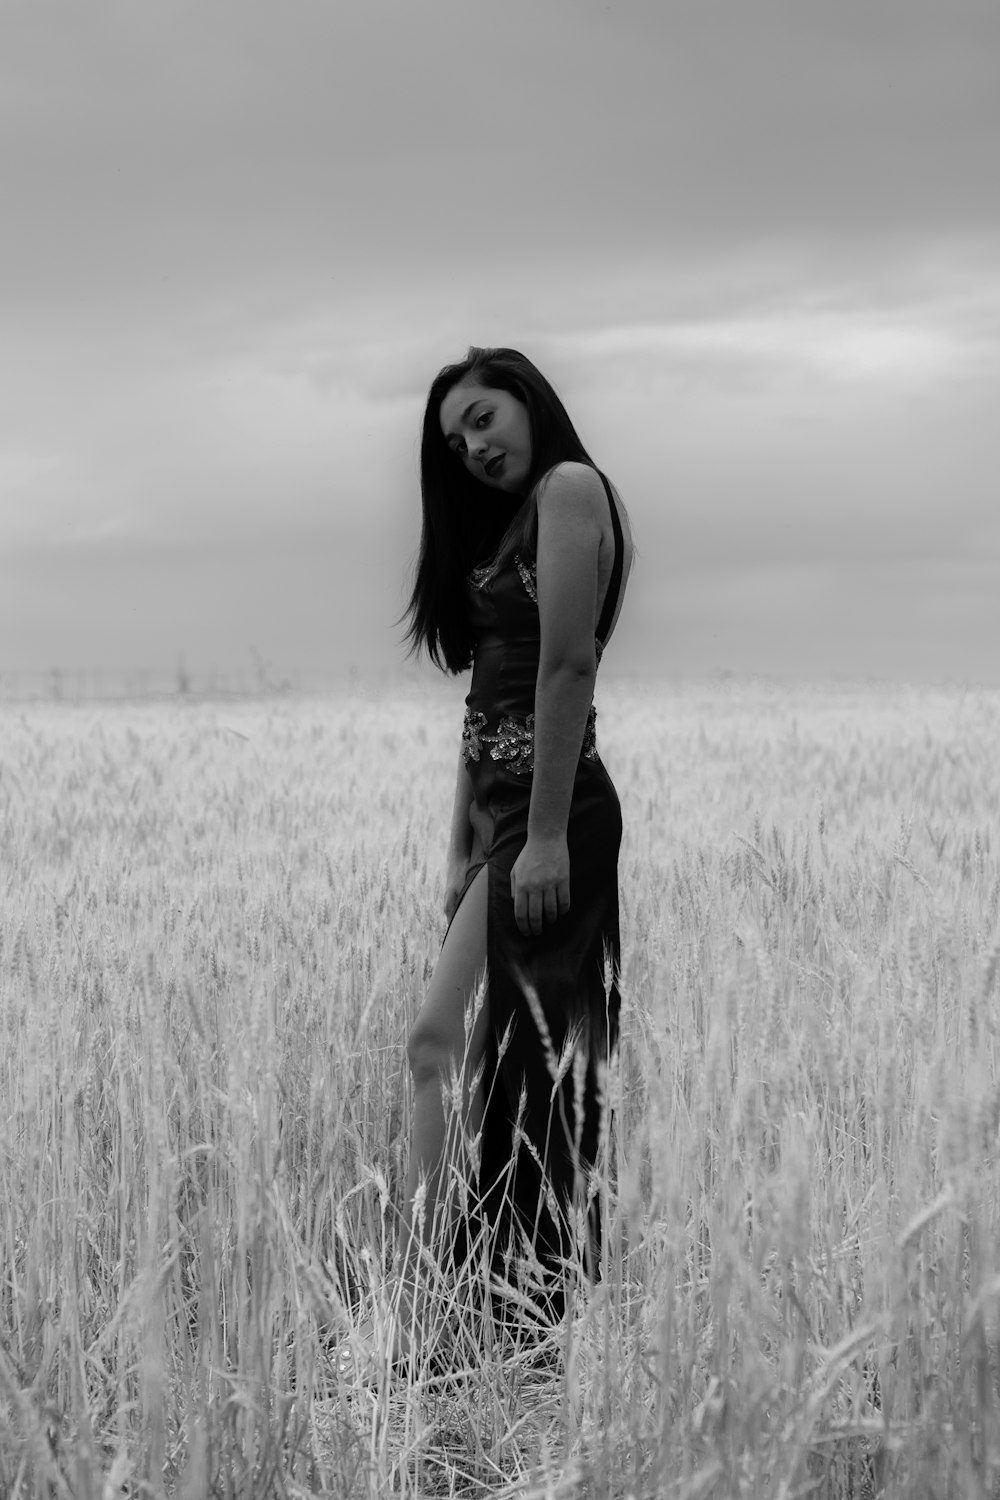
[[756, 247]]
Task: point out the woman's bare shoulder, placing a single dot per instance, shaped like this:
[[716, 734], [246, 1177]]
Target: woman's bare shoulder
[[572, 481]]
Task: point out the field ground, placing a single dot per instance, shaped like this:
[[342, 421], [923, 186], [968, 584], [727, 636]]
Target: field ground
[[217, 921]]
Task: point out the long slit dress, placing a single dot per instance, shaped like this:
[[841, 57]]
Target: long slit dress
[[554, 998]]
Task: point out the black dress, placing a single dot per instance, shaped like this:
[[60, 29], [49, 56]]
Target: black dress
[[553, 998]]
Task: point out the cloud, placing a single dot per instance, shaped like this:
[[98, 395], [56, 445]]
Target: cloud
[[909, 348], [180, 157], [753, 246]]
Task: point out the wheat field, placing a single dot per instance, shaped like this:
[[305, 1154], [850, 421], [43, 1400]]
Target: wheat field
[[216, 925]]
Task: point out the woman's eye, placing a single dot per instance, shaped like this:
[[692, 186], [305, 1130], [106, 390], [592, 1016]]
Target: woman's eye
[[483, 418]]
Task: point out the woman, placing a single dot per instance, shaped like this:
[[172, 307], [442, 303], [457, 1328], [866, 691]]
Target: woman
[[523, 558]]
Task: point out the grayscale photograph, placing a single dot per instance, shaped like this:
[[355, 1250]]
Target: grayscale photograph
[[499, 749]]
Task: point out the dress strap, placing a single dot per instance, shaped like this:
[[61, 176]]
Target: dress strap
[[615, 581]]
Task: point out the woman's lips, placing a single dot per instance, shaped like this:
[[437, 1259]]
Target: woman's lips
[[495, 466]]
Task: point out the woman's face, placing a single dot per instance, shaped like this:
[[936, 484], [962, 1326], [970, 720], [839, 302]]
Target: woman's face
[[489, 431]]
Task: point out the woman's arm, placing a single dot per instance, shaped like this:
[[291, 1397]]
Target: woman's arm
[[569, 538]]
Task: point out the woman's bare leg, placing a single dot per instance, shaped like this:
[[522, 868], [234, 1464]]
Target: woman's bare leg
[[436, 1047]]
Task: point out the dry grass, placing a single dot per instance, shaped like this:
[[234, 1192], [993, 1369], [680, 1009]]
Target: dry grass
[[216, 925]]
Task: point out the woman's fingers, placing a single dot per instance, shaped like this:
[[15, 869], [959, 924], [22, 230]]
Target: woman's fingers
[[533, 909], [520, 900], [528, 910]]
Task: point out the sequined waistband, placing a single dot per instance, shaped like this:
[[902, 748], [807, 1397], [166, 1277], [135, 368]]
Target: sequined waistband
[[513, 744]]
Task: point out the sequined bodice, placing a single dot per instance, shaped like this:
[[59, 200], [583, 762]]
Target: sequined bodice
[[499, 711], [499, 716]]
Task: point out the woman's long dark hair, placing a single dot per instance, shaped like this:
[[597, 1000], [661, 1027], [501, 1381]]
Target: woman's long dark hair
[[466, 522]]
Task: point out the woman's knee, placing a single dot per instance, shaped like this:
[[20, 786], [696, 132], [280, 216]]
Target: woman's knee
[[428, 1050]]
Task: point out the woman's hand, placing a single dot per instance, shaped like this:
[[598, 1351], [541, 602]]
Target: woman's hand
[[456, 871], [539, 883]]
